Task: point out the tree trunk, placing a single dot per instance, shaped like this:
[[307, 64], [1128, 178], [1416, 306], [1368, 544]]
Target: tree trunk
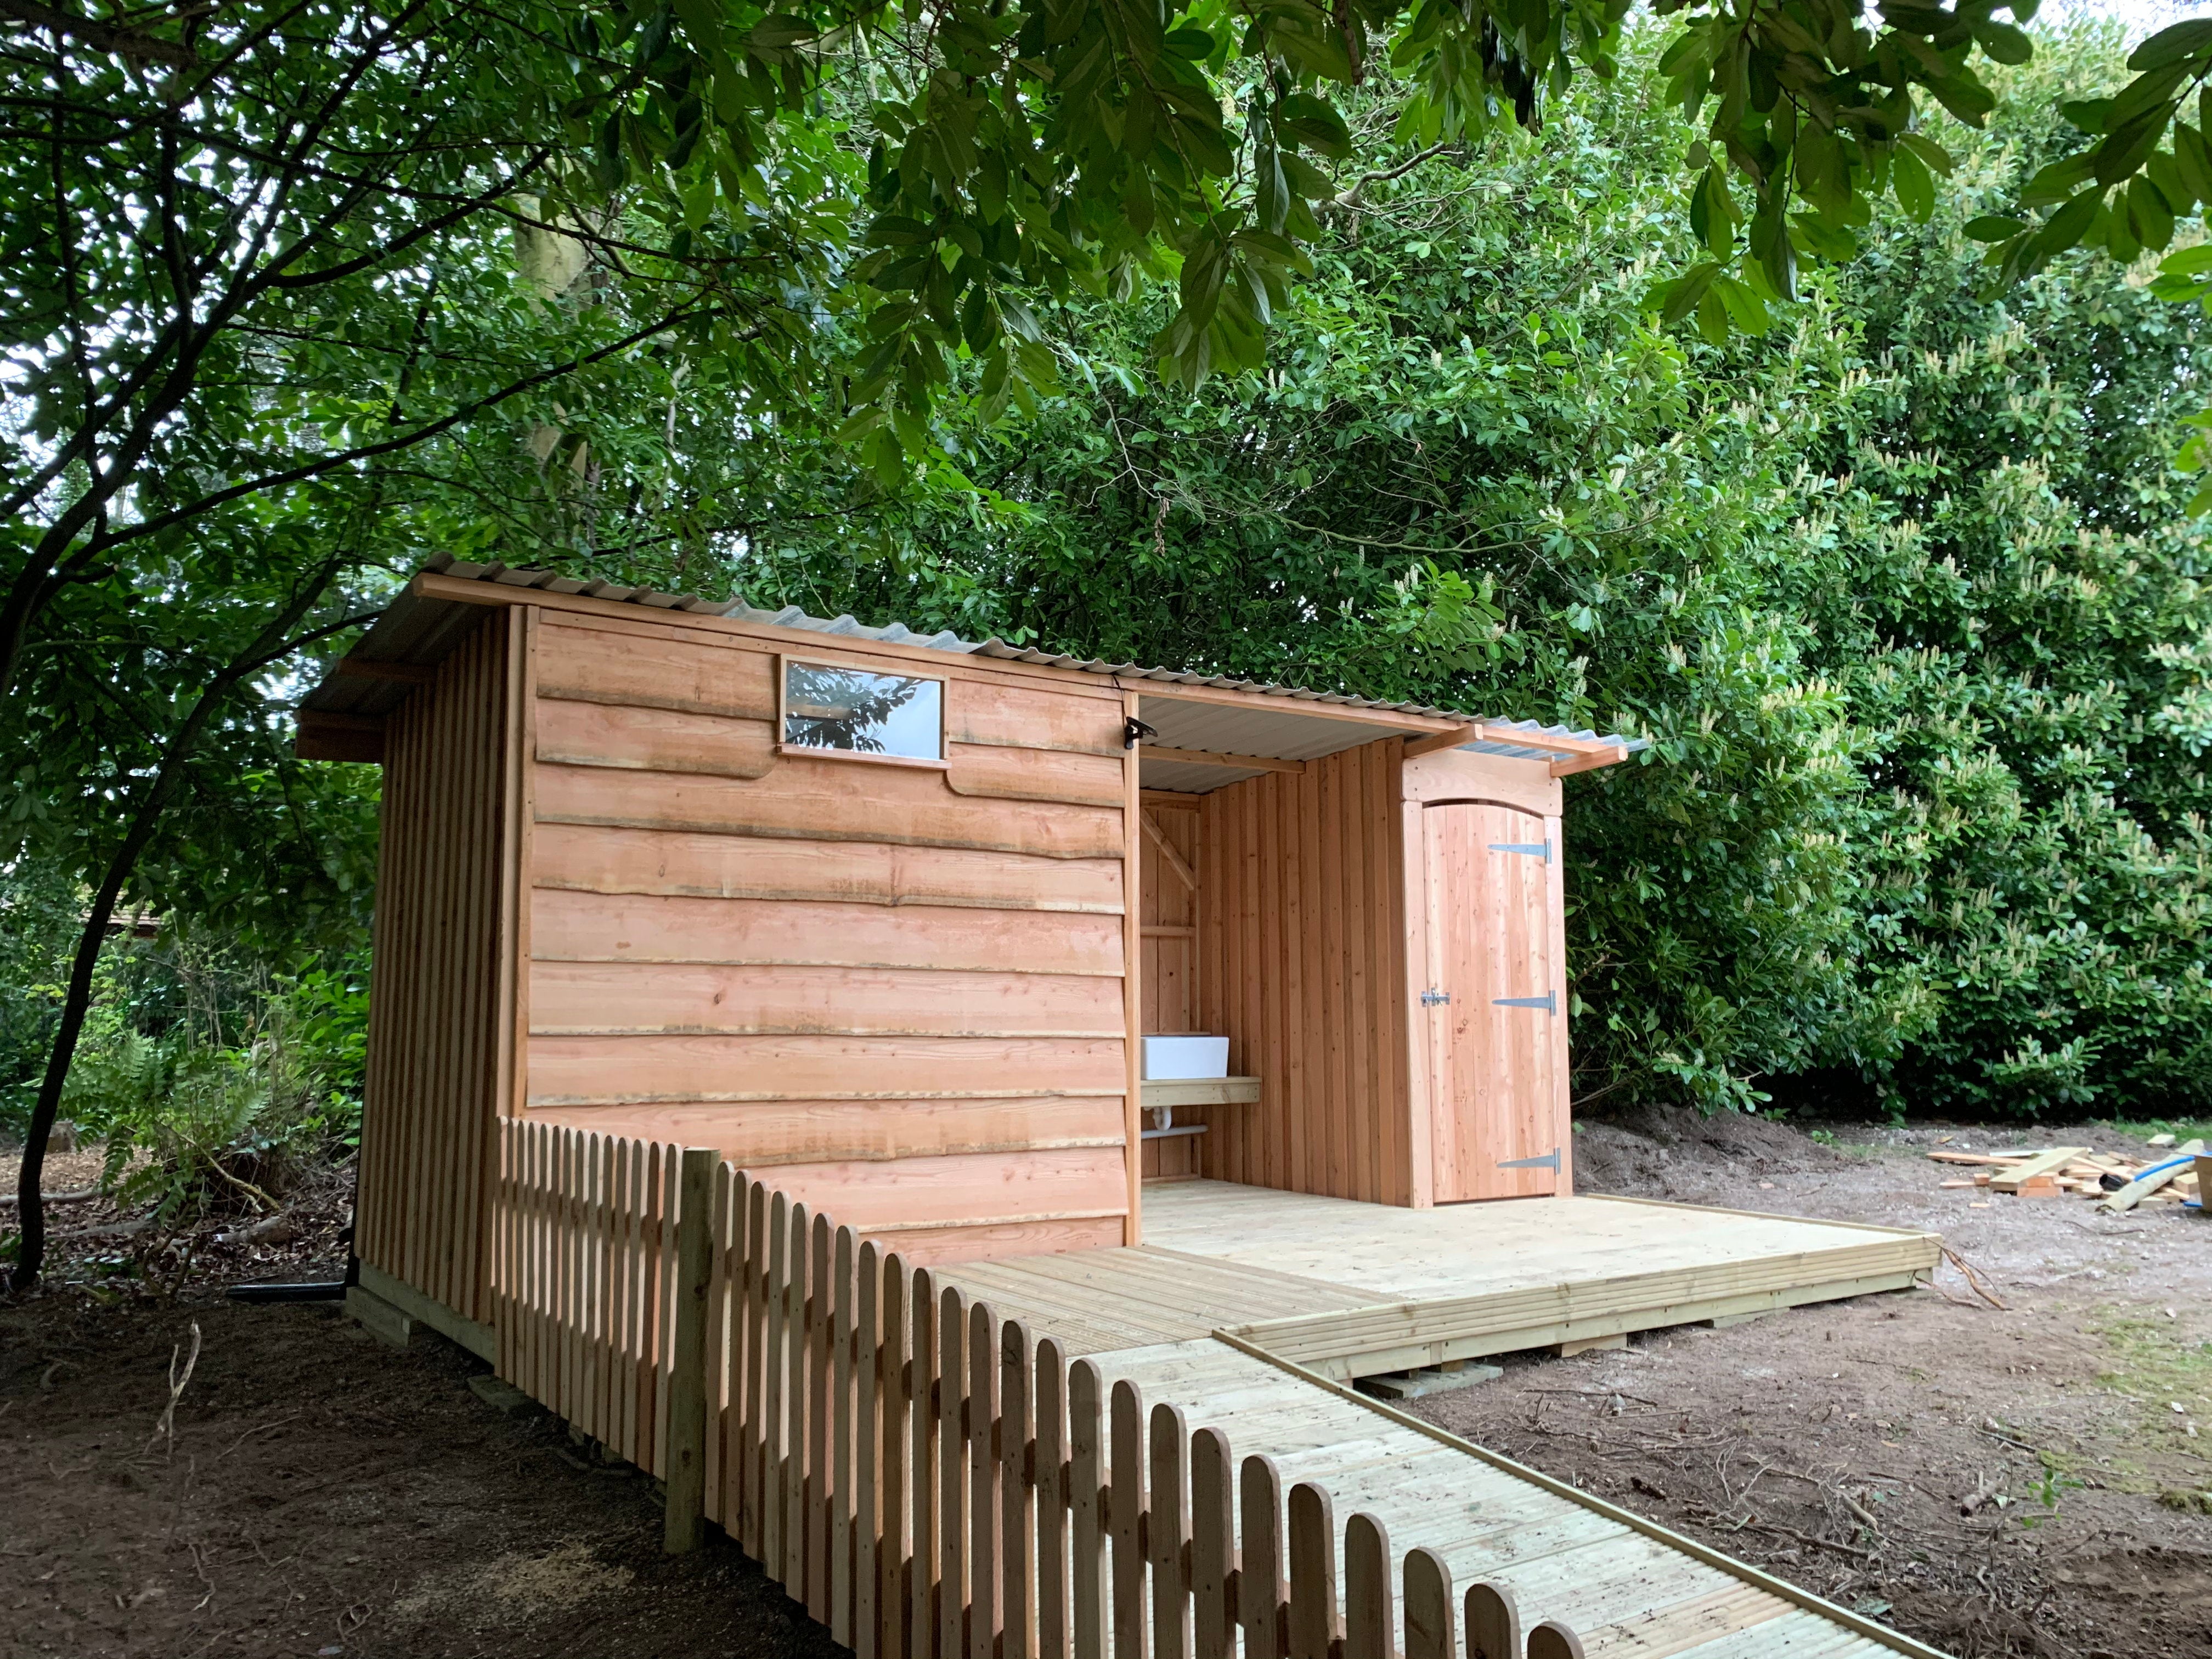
[[271, 643]]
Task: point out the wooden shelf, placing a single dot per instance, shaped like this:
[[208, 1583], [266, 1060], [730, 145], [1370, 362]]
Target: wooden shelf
[[1200, 1090]]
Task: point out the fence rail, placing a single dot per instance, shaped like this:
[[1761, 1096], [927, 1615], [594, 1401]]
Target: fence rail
[[931, 1481]]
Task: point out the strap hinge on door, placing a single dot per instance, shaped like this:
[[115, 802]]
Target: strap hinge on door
[[1549, 1161], [1433, 999], [1549, 1002], [1534, 849]]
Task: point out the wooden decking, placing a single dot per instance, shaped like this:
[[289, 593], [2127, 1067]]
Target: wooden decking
[[1244, 1303], [1350, 1290]]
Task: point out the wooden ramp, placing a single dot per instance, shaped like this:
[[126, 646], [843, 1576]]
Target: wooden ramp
[[1627, 1586], [1351, 1290]]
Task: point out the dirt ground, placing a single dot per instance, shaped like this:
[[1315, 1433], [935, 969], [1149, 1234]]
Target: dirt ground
[[2028, 1481], [2031, 1481]]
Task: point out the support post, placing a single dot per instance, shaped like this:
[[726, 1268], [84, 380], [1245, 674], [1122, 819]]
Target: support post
[[684, 1525]]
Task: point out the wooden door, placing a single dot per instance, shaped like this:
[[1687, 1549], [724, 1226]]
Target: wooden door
[[1494, 1001]]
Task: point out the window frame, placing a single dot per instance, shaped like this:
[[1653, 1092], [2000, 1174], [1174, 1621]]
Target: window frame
[[787, 660]]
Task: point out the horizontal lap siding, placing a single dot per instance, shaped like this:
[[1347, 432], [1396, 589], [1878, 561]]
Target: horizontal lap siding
[[901, 989], [1300, 964], [435, 1035]]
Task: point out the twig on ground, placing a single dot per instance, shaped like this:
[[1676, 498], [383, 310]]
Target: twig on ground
[[167, 1428], [259, 1428], [1974, 1278]]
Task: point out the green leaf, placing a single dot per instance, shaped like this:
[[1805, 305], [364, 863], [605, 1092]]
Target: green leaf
[[2087, 114], [2192, 161], [1313, 123], [2003, 43], [1937, 158], [2176, 45], [1914, 188], [1994, 227], [2188, 262], [2149, 219], [2065, 227]]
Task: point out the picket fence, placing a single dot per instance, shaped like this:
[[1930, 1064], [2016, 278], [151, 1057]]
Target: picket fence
[[931, 1481]]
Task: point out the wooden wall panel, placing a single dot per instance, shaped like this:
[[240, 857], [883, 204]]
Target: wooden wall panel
[[809, 799], [582, 926], [442, 1000], [593, 999], [977, 1189], [774, 1133], [572, 1071], [904, 989], [1300, 963], [595, 859]]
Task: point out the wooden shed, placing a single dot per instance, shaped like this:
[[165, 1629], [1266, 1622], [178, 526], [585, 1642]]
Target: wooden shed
[[885, 918]]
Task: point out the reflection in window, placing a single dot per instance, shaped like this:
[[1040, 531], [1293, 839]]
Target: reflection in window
[[861, 713]]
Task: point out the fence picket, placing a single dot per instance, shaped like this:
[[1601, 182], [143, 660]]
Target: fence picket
[[1429, 1633], [1313, 1621], [1493, 1623], [756, 1412], [778, 1308], [982, 1419], [1126, 1507], [721, 1337], [867, 1444], [1212, 1545], [897, 1361], [817, 1495], [1262, 1609], [1168, 1532], [1053, 1499], [1552, 1640], [842, 1426], [923, 1595], [796, 1336], [1086, 1440], [951, 1472], [1017, 1464], [1367, 1612]]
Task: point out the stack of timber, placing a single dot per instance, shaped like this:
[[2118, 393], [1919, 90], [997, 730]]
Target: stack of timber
[[2115, 1183], [934, 1481]]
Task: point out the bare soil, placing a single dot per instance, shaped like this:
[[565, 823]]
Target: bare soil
[[1996, 1482], [324, 1494], [2028, 1480]]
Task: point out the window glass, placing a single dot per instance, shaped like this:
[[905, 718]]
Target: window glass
[[864, 714]]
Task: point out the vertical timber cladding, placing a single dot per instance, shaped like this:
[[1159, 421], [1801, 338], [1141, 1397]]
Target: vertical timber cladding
[[1168, 888], [895, 990], [1302, 963], [437, 1048]]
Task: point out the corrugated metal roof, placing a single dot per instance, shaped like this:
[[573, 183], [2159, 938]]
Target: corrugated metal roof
[[418, 631]]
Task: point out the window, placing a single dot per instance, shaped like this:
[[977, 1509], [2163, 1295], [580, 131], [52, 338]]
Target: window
[[850, 711]]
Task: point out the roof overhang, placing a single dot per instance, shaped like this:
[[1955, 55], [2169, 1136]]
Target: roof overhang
[[1210, 729]]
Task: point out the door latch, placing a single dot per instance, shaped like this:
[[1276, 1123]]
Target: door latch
[[1433, 999], [1549, 1002], [1549, 1161]]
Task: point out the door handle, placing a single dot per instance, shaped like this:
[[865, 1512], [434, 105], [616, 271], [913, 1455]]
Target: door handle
[[1549, 1002], [1435, 998]]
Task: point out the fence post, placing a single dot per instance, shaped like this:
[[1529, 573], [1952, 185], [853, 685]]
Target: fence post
[[1552, 1640], [683, 1527]]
